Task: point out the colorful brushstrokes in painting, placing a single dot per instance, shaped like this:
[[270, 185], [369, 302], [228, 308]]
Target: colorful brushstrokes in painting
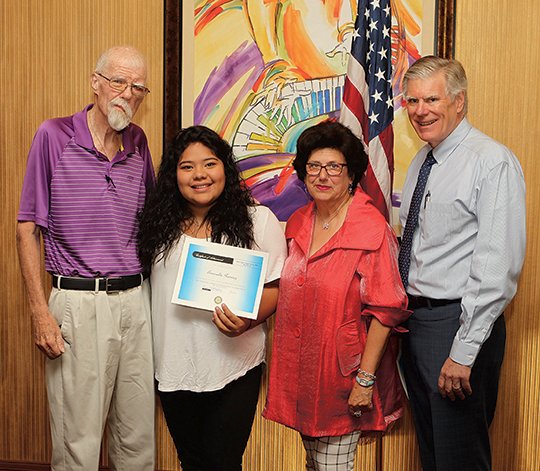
[[268, 69]]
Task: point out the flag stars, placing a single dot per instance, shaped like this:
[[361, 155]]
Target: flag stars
[[380, 74], [377, 96], [373, 118], [372, 48]]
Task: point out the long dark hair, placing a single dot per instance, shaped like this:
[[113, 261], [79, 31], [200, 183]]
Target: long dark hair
[[166, 213]]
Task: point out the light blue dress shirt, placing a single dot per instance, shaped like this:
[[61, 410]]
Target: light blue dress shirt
[[470, 239]]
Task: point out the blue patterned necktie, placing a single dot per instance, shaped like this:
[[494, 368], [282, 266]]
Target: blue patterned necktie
[[412, 218]]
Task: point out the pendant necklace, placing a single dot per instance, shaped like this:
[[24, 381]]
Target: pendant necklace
[[326, 224]]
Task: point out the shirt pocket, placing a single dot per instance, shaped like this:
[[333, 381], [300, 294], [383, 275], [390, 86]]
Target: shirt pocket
[[436, 224], [348, 347]]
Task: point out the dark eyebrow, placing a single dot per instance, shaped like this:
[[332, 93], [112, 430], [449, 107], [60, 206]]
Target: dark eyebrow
[[212, 157]]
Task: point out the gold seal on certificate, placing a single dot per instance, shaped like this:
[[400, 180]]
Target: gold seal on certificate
[[211, 274]]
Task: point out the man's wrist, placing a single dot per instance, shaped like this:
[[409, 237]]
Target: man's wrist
[[462, 353]]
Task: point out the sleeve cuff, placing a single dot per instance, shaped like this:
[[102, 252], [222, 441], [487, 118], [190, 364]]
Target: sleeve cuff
[[463, 353], [31, 217], [388, 316]]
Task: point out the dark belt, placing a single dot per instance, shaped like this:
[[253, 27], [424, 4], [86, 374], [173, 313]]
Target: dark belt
[[416, 302], [109, 285]]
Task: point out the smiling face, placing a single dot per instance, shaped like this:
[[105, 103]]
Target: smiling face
[[432, 112], [324, 188], [200, 176]]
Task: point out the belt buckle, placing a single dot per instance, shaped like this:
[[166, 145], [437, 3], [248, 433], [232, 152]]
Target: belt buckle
[[108, 290]]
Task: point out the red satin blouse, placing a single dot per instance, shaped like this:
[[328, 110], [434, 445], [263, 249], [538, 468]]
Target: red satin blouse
[[325, 305]]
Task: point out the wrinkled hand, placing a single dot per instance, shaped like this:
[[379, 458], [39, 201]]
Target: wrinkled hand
[[454, 380], [47, 336], [229, 323], [360, 399]]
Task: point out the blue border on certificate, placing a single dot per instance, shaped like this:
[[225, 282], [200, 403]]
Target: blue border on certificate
[[211, 274]]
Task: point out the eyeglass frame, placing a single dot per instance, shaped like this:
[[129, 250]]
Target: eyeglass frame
[[315, 164], [131, 85]]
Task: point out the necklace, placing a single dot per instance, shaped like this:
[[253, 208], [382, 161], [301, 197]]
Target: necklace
[[326, 224], [195, 227], [100, 143]]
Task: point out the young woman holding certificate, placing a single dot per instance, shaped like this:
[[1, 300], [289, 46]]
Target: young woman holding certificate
[[207, 365]]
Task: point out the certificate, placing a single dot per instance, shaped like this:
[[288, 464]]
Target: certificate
[[211, 274]]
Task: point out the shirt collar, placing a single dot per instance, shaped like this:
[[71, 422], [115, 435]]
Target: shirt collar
[[447, 147], [363, 228], [84, 139]]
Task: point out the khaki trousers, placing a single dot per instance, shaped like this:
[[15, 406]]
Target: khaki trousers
[[104, 376]]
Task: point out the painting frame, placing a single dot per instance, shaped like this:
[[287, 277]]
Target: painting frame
[[173, 40]]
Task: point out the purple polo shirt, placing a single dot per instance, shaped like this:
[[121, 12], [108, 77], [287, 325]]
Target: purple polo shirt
[[86, 205]]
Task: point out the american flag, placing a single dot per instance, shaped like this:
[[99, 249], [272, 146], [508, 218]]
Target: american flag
[[367, 99]]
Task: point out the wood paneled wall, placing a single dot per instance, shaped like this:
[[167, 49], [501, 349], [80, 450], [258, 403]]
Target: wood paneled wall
[[498, 44], [48, 51]]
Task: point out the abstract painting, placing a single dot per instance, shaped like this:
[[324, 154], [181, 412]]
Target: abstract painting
[[259, 72]]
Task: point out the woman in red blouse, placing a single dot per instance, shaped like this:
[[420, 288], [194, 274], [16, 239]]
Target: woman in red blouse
[[333, 373]]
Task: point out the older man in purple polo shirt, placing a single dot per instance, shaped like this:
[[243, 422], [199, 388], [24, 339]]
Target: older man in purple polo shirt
[[86, 180]]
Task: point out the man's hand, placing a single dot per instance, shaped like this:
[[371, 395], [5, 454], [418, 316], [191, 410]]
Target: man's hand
[[47, 335], [454, 380], [46, 332]]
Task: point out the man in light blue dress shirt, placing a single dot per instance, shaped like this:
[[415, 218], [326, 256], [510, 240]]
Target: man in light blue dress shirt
[[466, 255]]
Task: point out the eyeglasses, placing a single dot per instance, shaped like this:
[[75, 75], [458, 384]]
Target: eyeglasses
[[120, 84], [333, 169]]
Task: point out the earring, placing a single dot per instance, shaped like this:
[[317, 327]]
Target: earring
[[351, 188]]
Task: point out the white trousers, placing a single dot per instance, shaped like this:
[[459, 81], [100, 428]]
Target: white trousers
[[104, 376], [331, 453]]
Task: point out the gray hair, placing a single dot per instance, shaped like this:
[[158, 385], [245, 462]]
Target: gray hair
[[454, 73], [125, 53]]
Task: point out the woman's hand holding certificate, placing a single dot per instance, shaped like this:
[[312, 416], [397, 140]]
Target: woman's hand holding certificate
[[228, 322]]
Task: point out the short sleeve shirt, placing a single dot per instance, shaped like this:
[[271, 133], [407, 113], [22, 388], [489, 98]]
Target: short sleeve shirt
[[85, 204]]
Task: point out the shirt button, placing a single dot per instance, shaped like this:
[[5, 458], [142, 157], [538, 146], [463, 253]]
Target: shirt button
[[297, 332], [300, 280]]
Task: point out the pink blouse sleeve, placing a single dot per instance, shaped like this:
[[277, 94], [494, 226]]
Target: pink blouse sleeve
[[381, 290]]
